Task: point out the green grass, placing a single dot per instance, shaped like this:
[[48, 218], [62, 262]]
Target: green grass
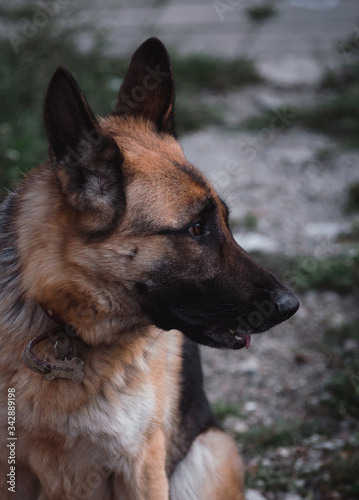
[[270, 472], [223, 409], [341, 348], [200, 72], [351, 237], [273, 473], [336, 466], [250, 221], [339, 273], [335, 469], [273, 477], [281, 434], [193, 114], [335, 112], [342, 474], [353, 198], [17, 12], [339, 403], [337, 116], [259, 13], [336, 336]]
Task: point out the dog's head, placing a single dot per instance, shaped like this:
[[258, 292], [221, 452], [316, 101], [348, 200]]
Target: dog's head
[[136, 234]]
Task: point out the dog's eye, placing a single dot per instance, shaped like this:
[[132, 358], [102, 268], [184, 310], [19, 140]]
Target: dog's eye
[[198, 229]]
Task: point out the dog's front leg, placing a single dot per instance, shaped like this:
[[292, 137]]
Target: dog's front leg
[[147, 478]]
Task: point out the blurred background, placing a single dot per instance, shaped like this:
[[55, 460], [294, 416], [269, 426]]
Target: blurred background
[[268, 108]]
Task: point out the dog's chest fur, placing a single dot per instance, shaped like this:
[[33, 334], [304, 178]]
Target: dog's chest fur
[[119, 425], [110, 423]]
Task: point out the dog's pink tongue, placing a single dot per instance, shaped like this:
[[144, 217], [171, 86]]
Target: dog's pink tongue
[[248, 340]]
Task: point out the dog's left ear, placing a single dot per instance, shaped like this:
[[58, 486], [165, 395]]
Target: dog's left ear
[[86, 161], [148, 88]]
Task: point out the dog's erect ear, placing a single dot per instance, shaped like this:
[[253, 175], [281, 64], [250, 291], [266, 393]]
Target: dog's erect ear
[[87, 163], [148, 88], [68, 117]]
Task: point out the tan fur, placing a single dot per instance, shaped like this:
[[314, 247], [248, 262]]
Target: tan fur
[[212, 470], [56, 419]]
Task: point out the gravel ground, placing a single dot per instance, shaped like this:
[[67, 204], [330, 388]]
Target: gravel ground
[[273, 380], [278, 175]]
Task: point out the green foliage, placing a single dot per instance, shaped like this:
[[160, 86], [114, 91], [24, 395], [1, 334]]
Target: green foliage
[[335, 469], [193, 114], [335, 113], [263, 438], [199, 72], [351, 236], [250, 221], [339, 273], [223, 409], [337, 116], [342, 474], [341, 345], [353, 198], [259, 13]]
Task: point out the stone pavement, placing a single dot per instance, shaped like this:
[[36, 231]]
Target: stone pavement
[[290, 47]]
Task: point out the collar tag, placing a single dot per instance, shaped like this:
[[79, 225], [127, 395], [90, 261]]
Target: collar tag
[[60, 364], [66, 368]]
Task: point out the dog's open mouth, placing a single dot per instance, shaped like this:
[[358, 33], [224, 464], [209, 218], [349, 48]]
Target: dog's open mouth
[[230, 339], [245, 338], [213, 336]]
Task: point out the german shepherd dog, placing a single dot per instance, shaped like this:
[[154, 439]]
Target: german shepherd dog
[[116, 261]]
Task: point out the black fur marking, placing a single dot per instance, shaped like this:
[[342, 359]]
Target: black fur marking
[[66, 114], [194, 408], [141, 288], [218, 291]]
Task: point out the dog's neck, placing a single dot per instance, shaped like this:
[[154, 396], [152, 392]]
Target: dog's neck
[[22, 319]]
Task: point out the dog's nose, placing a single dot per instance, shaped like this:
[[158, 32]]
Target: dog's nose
[[287, 303]]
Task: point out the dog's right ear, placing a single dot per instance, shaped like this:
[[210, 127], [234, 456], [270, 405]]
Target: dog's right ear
[[148, 87], [87, 162]]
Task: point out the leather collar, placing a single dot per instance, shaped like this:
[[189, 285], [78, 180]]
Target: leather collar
[[62, 363]]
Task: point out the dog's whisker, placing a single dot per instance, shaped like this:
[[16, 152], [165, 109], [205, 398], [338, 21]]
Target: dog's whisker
[[156, 339]]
